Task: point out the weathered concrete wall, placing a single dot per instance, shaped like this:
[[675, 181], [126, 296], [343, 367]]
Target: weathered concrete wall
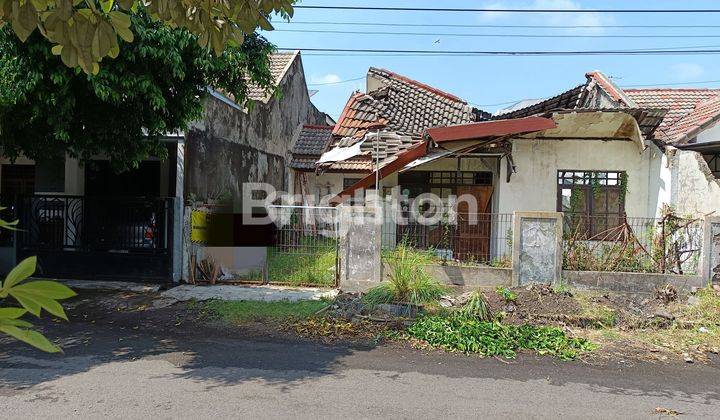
[[470, 276], [630, 282], [711, 250], [231, 146], [695, 191], [534, 186], [537, 247], [360, 248]]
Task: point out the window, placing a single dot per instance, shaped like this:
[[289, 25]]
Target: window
[[713, 161], [349, 182], [593, 202]]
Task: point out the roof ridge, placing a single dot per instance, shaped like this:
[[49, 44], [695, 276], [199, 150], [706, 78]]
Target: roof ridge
[[319, 126], [418, 84]]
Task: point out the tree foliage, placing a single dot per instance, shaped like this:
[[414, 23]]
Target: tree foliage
[[83, 32], [154, 87], [32, 297]]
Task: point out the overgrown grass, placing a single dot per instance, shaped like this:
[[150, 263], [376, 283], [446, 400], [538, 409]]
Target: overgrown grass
[[459, 332], [598, 315], [316, 268], [408, 281], [238, 312]]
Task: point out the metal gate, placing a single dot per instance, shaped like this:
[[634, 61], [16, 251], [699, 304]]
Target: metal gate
[[306, 249], [97, 237]]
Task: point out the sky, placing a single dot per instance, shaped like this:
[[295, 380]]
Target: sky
[[492, 83]]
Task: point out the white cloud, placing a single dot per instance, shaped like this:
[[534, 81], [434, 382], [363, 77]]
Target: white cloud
[[325, 79], [687, 71], [549, 19]]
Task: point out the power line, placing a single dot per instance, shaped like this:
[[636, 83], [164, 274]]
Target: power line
[[445, 9], [452, 25], [338, 82], [321, 31], [657, 51]]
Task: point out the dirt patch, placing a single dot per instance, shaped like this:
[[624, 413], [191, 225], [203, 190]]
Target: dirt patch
[[539, 304]]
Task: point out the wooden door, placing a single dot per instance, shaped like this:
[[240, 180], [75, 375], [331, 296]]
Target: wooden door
[[474, 229]]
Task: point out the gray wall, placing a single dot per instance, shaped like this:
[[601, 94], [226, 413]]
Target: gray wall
[[232, 146]]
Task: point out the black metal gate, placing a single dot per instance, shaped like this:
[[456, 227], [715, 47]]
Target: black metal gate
[[97, 237]]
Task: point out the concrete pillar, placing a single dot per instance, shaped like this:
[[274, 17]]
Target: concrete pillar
[[360, 247], [178, 222], [537, 247], [710, 257]]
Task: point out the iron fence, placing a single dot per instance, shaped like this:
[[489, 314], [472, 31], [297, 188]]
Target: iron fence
[[305, 250], [632, 244], [464, 238], [132, 224]]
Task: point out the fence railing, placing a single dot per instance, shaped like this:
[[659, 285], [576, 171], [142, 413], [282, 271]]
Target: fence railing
[[631, 244], [129, 224], [305, 250], [468, 238]]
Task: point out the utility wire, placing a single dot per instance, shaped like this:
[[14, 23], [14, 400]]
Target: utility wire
[[321, 31], [445, 9], [451, 25], [657, 51], [337, 83]]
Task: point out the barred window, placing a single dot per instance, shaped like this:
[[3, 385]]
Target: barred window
[[713, 161], [592, 201]]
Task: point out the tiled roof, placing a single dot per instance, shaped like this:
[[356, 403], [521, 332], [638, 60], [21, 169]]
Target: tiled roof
[[678, 102], [567, 100], [312, 140], [689, 124], [389, 146], [309, 146], [402, 105], [279, 64]]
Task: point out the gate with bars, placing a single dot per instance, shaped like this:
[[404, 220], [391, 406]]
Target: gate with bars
[[305, 250]]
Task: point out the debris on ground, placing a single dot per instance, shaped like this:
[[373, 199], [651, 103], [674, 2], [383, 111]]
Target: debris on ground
[[666, 411]]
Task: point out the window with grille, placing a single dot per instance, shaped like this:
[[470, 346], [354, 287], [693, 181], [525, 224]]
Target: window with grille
[[593, 201]]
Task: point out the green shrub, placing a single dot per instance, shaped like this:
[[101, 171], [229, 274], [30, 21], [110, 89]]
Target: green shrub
[[477, 307], [408, 281], [470, 335]]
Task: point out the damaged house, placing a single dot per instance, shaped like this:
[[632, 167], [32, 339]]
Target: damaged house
[[597, 153]]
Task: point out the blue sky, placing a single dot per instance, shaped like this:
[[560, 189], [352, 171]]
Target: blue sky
[[489, 81]]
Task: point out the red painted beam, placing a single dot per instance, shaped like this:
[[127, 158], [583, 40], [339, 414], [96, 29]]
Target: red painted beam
[[490, 129]]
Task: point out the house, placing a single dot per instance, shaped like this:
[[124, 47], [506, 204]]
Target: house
[[590, 152], [87, 221]]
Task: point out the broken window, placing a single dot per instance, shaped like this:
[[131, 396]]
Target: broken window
[[713, 161], [592, 201]]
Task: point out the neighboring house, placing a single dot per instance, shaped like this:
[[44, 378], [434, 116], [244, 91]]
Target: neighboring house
[[87, 221], [234, 144], [690, 137]]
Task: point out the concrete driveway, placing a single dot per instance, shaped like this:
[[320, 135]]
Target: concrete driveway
[[164, 367]]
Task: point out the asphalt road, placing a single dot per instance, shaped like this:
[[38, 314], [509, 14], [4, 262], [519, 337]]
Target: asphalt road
[[111, 371]]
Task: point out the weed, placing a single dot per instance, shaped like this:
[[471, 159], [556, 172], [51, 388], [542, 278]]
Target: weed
[[408, 281], [469, 335], [508, 295], [477, 307]]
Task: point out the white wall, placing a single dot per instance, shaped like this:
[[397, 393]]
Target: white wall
[[695, 191], [534, 186]]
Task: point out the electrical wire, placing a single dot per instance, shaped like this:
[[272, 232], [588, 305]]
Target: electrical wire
[[322, 31], [338, 82], [452, 25], [446, 9], [468, 53]]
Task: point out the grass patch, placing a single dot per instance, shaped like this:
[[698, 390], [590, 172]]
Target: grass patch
[[408, 281], [597, 315], [238, 312], [470, 335], [313, 269]]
